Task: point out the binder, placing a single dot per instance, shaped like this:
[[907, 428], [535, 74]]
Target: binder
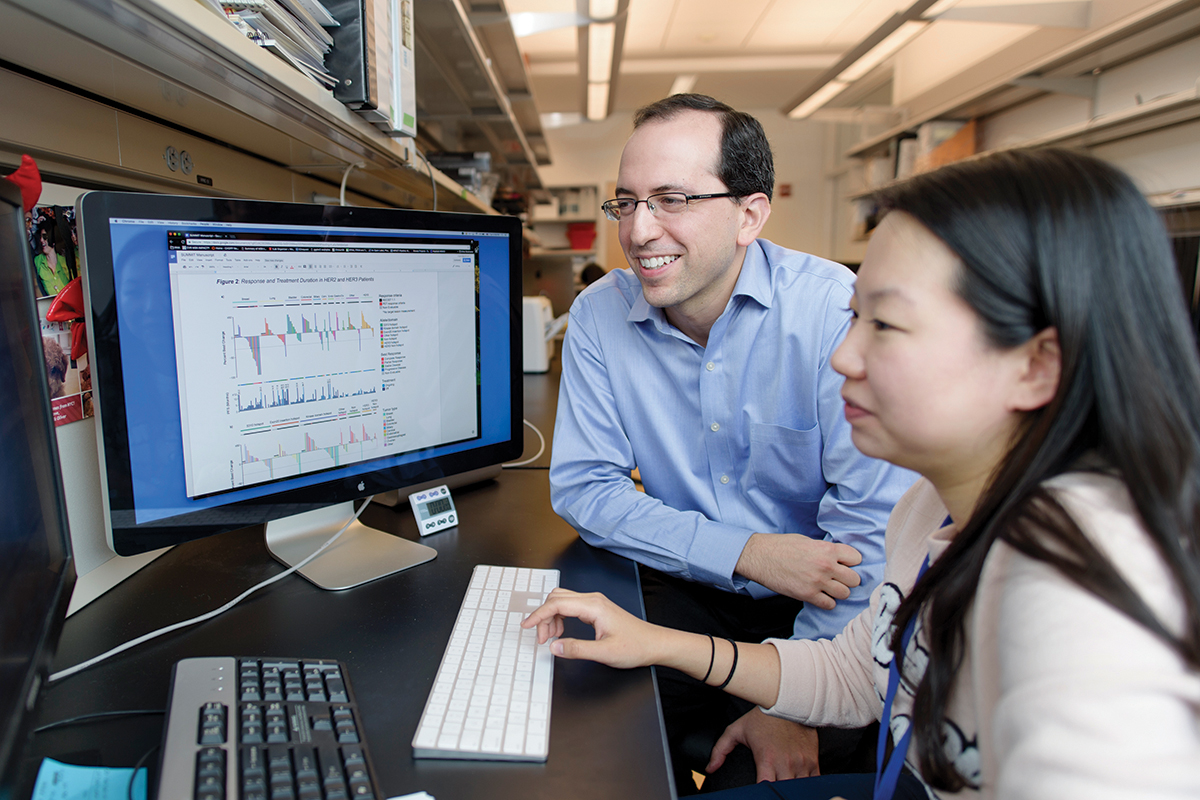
[[372, 60]]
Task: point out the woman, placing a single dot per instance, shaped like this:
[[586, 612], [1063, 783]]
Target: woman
[[1020, 341], [51, 265]]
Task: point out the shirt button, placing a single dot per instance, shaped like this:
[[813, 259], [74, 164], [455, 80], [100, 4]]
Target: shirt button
[[724, 479], [710, 366], [716, 426]]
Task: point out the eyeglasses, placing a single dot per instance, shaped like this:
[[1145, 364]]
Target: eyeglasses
[[667, 203]]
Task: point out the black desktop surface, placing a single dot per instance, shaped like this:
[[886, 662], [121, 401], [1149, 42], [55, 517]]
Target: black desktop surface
[[606, 737]]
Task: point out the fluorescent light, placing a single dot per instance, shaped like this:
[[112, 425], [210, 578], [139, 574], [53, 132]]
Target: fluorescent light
[[602, 9], [939, 8], [560, 119], [818, 99], [601, 37], [683, 84], [597, 101], [527, 23], [877, 54]]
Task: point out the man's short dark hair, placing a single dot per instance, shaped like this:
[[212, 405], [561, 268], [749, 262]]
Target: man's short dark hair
[[746, 165]]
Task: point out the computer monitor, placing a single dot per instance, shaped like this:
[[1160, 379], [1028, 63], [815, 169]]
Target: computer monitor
[[35, 565], [255, 361]]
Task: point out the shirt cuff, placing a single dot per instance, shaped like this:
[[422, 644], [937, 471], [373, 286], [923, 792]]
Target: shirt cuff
[[715, 553]]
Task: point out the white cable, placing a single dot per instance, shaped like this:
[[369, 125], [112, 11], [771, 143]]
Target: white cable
[[69, 671], [538, 455], [345, 177]]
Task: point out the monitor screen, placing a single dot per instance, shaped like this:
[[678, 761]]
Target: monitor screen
[[35, 567], [256, 360]]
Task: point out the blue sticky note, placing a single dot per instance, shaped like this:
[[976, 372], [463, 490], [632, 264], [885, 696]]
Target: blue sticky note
[[58, 781]]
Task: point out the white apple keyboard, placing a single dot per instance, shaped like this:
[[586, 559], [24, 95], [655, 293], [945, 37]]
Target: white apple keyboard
[[491, 698]]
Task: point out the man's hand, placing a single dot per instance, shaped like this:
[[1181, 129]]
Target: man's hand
[[781, 749], [792, 564]]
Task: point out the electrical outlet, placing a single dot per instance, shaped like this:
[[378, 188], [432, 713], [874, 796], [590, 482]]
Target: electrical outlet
[[178, 160]]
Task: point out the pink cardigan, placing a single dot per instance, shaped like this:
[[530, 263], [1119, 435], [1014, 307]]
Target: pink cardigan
[[1059, 696]]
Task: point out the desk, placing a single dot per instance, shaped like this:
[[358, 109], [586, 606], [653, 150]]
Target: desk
[[606, 738]]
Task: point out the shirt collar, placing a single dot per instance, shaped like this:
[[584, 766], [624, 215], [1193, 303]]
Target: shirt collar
[[753, 282]]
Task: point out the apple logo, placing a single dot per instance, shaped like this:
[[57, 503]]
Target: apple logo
[[362, 486]]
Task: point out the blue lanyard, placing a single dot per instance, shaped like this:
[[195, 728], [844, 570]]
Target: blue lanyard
[[885, 779]]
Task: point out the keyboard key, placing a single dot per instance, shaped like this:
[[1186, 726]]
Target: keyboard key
[[337, 689], [493, 677], [272, 748], [212, 724]]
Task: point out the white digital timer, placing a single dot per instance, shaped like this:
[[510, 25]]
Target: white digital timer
[[434, 510]]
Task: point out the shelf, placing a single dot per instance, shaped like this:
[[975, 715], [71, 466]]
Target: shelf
[[580, 203], [1182, 197], [1152, 28], [461, 102], [530, 236], [1154, 114], [490, 19], [176, 68], [1151, 115]]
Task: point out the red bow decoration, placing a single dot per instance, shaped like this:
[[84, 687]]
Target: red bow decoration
[[69, 307], [30, 180]]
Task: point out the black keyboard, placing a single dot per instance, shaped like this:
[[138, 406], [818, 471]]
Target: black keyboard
[[263, 729]]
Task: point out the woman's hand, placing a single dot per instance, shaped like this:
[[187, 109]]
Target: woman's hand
[[622, 640]]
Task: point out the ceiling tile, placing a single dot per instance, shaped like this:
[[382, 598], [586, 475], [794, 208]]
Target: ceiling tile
[[710, 26], [554, 45], [559, 45], [646, 27], [754, 89], [802, 24]]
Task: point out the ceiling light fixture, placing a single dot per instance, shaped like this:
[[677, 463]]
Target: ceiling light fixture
[[683, 84], [604, 41], [939, 7], [602, 9], [597, 101], [600, 51], [818, 98], [884, 41], [880, 52], [528, 23]]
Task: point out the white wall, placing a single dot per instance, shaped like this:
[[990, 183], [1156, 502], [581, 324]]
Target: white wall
[[801, 221], [590, 153]]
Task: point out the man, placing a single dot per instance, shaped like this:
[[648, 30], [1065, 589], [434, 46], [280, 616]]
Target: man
[[705, 367]]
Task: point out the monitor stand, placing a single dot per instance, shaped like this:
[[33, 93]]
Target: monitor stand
[[362, 554]]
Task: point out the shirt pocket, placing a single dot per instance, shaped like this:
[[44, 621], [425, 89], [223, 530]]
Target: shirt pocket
[[786, 462]]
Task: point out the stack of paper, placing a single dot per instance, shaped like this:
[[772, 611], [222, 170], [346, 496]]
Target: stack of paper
[[294, 30]]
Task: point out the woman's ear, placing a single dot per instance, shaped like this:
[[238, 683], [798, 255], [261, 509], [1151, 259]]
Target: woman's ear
[[1041, 370]]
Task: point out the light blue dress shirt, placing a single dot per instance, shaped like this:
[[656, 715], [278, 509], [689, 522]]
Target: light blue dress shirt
[[745, 435]]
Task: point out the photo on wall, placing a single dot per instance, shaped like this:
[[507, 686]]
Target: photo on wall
[[54, 245]]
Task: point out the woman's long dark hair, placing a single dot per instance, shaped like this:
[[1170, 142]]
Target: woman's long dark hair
[[1053, 238]]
